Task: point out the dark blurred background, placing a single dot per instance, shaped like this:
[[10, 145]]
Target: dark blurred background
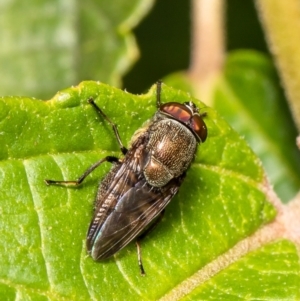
[[164, 42]]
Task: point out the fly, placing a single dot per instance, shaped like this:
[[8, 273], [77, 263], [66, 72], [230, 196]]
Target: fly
[[132, 197]]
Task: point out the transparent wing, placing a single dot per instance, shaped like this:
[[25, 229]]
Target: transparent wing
[[118, 181], [136, 208]]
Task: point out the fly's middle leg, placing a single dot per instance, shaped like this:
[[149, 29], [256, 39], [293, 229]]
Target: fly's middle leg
[[143, 235], [110, 159]]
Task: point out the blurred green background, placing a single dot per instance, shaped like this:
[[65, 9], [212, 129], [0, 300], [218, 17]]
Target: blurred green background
[[164, 39], [47, 45]]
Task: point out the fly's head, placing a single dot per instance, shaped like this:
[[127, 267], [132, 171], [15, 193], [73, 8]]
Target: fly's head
[[187, 114]]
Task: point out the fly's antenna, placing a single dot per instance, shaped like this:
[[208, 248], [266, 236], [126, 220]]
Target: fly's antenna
[[158, 92]]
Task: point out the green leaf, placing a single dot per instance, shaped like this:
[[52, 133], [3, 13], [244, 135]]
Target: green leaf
[[49, 45], [43, 228], [251, 100], [270, 273]]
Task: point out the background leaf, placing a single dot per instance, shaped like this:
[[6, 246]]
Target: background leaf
[[50, 45], [251, 100], [43, 228], [248, 95]]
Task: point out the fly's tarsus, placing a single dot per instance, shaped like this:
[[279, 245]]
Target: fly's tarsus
[[139, 255]]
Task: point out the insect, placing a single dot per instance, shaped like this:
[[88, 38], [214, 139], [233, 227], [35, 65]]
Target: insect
[[132, 197]]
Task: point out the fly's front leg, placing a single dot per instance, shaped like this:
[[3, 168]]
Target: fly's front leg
[[113, 125], [143, 235], [110, 159]]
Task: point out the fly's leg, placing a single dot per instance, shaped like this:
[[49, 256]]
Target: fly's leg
[[110, 159], [158, 92], [85, 174], [143, 235], [139, 254], [113, 125]]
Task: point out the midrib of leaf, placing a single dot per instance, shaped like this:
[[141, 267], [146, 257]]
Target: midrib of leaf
[[206, 277]]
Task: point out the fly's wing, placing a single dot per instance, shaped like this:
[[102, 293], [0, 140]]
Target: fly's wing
[[118, 181], [133, 212]]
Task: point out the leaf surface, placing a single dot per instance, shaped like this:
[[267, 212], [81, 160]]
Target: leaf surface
[[269, 273], [43, 228]]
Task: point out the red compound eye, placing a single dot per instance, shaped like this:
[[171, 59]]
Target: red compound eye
[[199, 127], [177, 110], [188, 114]]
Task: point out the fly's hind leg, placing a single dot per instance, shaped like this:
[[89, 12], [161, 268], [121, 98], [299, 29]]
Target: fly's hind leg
[[143, 235], [110, 159]]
